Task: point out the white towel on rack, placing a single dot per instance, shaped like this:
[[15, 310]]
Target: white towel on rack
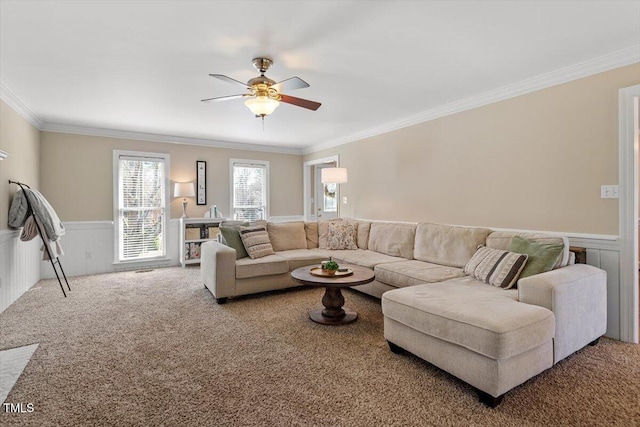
[[54, 248], [30, 231], [19, 212]]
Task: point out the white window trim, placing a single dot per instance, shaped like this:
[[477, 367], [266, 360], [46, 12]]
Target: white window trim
[[116, 222], [264, 163]]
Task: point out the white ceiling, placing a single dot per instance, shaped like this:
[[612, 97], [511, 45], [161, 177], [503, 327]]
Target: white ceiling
[[143, 66]]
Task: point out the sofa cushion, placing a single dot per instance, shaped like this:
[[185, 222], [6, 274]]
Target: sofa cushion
[[448, 244], [363, 228], [542, 256], [285, 236], [395, 239], [341, 235], [471, 314], [264, 266], [502, 240], [301, 257], [256, 241], [311, 234], [496, 267], [413, 272], [323, 232], [365, 258]]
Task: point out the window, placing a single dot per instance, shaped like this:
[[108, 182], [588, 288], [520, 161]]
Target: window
[[330, 202], [249, 189], [140, 201]]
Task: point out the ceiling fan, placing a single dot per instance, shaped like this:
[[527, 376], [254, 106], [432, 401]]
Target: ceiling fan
[[265, 94]]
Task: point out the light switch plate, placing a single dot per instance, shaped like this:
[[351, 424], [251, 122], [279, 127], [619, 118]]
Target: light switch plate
[[609, 192], [344, 200]]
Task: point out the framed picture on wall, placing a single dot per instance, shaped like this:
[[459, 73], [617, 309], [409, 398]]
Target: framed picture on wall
[[201, 170]]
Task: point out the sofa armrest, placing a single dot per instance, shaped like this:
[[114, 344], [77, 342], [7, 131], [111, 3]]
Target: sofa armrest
[[577, 295], [218, 269]]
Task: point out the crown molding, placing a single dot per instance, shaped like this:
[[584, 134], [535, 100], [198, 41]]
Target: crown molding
[[153, 137], [19, 106], [601, 64], [23, 110]]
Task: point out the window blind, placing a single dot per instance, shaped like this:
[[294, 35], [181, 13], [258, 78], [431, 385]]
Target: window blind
[[249, 191], [141, 207]]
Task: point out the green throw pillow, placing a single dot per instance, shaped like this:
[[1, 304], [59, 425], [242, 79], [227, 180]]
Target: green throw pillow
[[232, 239], [542, 256]]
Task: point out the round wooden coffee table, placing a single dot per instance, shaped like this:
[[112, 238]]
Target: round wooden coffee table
[[333, 312]]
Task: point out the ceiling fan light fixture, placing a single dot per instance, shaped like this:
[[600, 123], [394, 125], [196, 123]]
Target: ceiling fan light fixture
[[261, 105]]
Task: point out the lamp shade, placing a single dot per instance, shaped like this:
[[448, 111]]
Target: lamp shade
[[184, 189], [261, 105], [333, 175]]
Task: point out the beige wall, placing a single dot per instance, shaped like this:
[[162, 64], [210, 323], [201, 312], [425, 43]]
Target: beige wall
[[77, 175], [22, 141], [536, 161]]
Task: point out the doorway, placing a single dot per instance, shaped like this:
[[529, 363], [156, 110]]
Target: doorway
[[326, 195], [629, 118], [320, 200]]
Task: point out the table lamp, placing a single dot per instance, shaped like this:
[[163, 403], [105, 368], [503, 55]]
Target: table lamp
[[184, 189]]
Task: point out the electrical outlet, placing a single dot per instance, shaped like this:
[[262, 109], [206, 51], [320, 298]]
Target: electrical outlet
[[87, 255], [344, 200], [609, 192]]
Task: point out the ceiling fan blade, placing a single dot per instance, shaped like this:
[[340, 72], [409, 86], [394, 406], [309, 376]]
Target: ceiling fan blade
[[304, 103], [228, 79], [290, 84], [225, 98]]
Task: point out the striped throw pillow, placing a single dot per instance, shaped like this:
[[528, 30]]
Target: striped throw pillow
[[496, 267], [256, 241]]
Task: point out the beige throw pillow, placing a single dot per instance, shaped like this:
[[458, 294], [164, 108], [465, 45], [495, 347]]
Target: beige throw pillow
[[285, 236], [256, 241], [496, 267], [311, 232], [341, 235]]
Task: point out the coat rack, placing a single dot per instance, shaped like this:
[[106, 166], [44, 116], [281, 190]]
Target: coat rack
[[44, 242]]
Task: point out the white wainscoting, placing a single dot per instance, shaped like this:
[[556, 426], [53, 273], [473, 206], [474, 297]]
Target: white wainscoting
[[604, 253], [89, 249], [19, 266]]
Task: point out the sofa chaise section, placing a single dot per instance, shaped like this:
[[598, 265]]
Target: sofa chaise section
[[490, 337], [477, 332]]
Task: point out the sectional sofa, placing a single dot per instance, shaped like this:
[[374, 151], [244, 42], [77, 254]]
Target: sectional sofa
[[433, 305]]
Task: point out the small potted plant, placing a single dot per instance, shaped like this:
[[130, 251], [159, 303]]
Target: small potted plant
[[330, 267]]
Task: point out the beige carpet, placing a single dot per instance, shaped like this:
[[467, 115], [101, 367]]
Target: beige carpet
[[146, 349]]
